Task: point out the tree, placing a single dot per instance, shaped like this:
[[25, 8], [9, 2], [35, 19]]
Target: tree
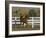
[[15, 13], [32, 13]]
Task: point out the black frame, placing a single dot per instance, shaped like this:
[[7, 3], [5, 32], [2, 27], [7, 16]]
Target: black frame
[[6, 18]]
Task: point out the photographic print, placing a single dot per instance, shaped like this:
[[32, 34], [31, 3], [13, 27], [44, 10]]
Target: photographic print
[[25, 18]]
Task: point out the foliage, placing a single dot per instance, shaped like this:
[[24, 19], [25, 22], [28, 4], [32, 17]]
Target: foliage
[[32, 13]]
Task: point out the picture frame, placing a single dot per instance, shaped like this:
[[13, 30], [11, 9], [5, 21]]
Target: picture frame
[[13, 5]]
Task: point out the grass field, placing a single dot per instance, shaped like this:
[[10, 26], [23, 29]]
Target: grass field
[[21, 27], [27, 27]]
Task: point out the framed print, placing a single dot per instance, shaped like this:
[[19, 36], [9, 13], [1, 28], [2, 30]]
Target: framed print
[[24, 18]]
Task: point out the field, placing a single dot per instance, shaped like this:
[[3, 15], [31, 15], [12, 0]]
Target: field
[[21, 27], [27, 27]]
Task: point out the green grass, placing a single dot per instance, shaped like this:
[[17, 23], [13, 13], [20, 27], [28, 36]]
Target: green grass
[[21, 27], [27, 27]]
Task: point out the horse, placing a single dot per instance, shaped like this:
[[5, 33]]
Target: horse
[[23, 20]]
